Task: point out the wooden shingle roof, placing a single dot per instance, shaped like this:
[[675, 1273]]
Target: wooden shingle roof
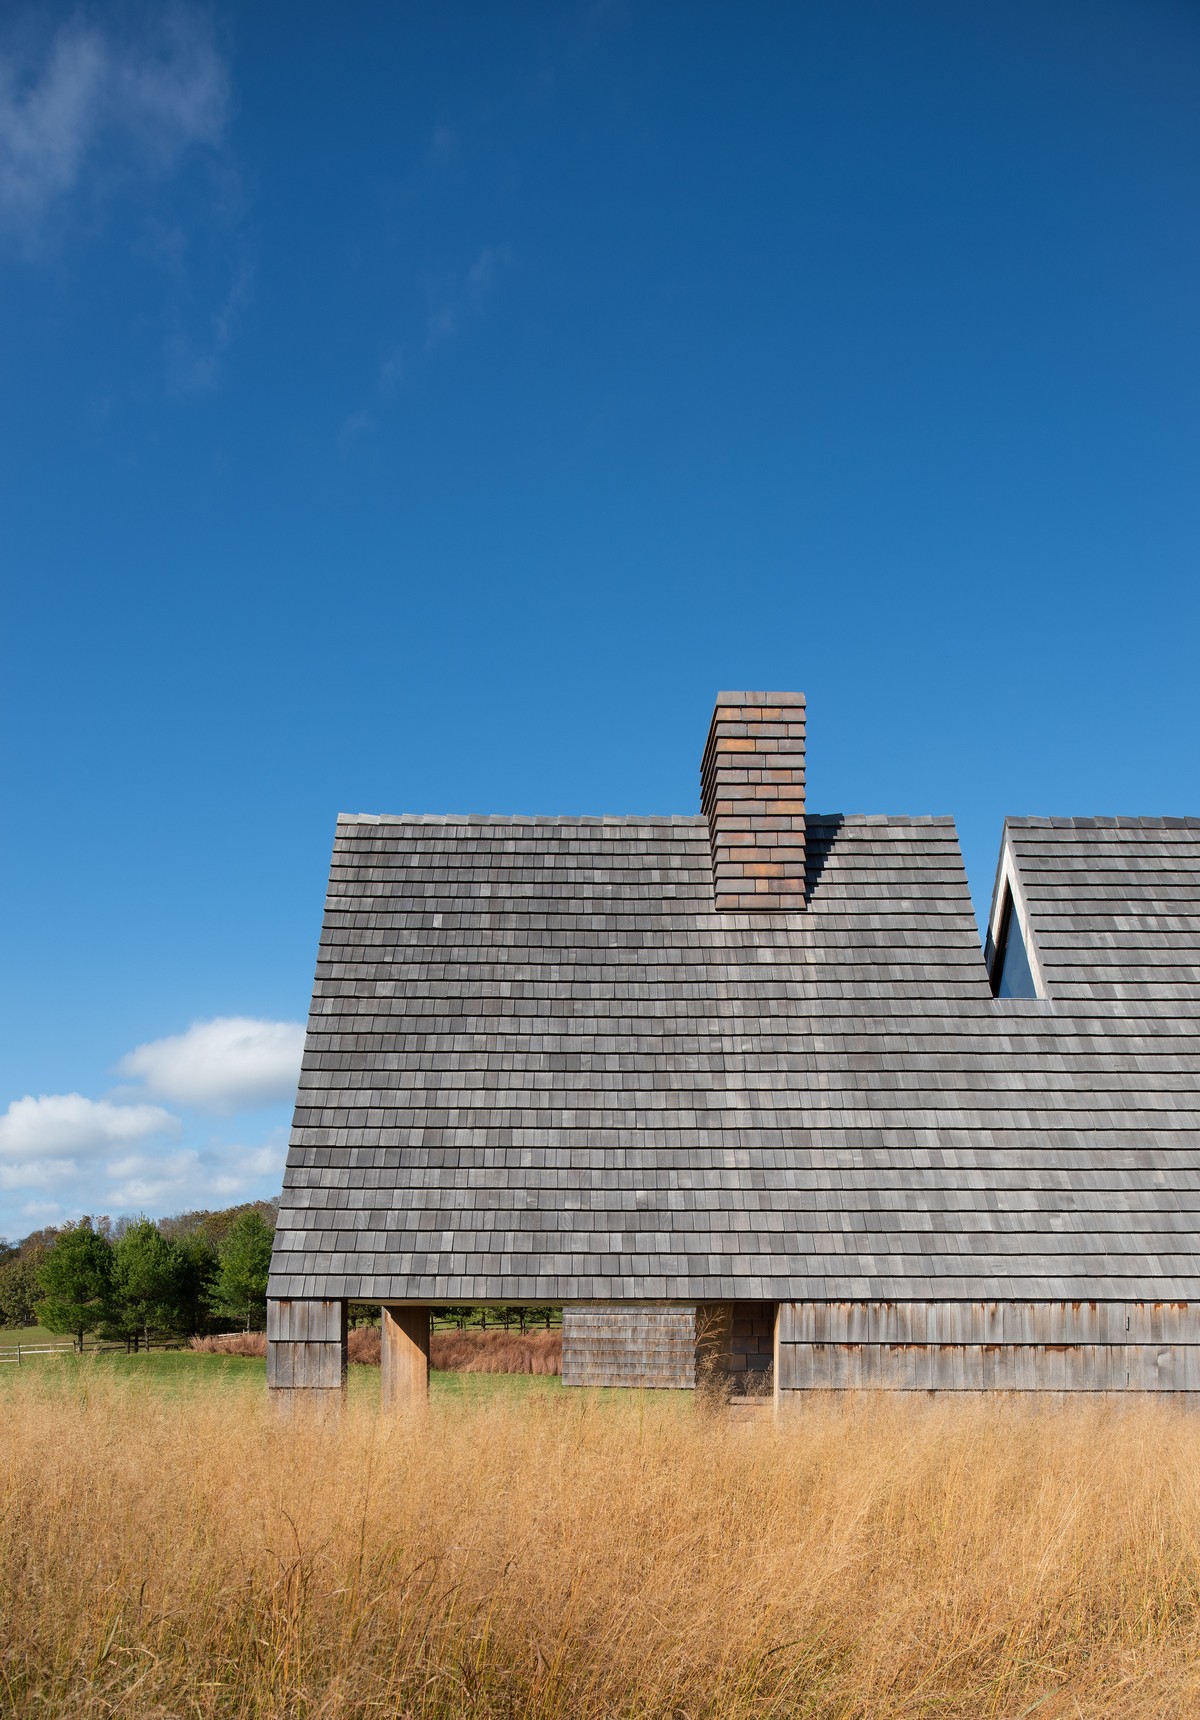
[[541, 1065]]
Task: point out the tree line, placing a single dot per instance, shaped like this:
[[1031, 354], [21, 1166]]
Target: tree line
[[135, 1279]]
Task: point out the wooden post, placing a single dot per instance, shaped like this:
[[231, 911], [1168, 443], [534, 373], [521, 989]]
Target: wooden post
[[776, 1365], [404, 1355]]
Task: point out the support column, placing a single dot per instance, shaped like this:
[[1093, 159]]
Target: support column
[[776, 1363], [404, 1355]]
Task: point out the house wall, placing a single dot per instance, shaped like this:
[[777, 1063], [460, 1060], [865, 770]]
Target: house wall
[[818, 1346], [629, 1344], [647, 1344], [988, 1346], [306, 1346]]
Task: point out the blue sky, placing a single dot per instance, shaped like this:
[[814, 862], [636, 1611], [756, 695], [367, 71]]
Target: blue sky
[[430, 409]]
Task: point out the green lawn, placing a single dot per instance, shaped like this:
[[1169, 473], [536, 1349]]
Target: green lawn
[[173, 1370], [28, 1335]]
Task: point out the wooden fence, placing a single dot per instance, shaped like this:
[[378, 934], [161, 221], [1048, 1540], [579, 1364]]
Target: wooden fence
[[18, 1353]]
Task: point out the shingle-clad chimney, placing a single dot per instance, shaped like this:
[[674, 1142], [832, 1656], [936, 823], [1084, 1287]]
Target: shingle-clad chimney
[[752, 793]]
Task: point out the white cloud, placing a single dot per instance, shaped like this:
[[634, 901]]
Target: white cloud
[[62, 1154], [184, 1180], [174, 1165], [144, 1182], [222, 1065], [45, 1209], [36, 1173], [42, 1130], [93, 88], [263, 1161]]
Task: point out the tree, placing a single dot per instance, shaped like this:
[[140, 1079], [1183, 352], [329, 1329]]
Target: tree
[[149, 1283], [77, 1278], [216, 1225], [20, 1290], [240, 1291], [200, 1265]]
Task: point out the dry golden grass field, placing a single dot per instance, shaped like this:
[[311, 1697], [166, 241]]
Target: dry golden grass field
[[470, 1352], [169, 1548]]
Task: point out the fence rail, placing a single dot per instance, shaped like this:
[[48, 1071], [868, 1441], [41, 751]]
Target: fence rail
[[20, 1352]]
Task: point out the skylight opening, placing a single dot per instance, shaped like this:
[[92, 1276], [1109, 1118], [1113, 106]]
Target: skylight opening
[[1012, 976]]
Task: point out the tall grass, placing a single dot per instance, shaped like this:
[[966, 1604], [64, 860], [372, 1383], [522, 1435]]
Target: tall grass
[[582, 1556], [497, 1352], [468, 1352]]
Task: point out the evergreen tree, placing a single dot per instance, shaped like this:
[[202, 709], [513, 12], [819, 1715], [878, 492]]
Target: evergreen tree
[[149, 1283], [20, 1291], [240, 1290], [200, 1266], [76, 1277]]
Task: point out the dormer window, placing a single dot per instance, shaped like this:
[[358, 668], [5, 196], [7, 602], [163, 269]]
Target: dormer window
[[1012, 976]]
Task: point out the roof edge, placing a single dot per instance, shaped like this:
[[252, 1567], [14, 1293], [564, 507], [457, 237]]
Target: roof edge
[[690, 821], [1098, 822]]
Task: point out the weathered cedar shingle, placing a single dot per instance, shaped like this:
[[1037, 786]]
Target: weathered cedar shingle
[[541, 1065]]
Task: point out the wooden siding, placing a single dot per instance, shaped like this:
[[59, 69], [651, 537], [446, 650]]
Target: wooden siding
[[306, 1345], [989, 1346], [629, 1344]]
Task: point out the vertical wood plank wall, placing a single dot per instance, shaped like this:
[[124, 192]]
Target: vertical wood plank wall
[[988, 1346], [306, 1346]]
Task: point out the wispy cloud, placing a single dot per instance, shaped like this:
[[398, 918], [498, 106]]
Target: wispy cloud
[[195, 360], [218, 1174], [142, 1180], [53, 1138], [98, 101], [457, 302], [352, 427]]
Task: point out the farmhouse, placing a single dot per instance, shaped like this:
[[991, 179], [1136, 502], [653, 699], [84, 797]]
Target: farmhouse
[[745, 1095]]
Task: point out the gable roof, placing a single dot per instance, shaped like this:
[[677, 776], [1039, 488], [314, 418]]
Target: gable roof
[[541, 1065], [1115, 907]]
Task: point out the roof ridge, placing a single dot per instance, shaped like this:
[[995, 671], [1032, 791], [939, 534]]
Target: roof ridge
[[684, 819], [515, 818]]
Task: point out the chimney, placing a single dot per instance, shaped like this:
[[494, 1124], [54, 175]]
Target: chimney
[[752, 793]]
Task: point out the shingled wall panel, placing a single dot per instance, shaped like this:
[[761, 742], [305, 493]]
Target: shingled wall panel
[[629, 1345], [306, 1344], [989, 1346]]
